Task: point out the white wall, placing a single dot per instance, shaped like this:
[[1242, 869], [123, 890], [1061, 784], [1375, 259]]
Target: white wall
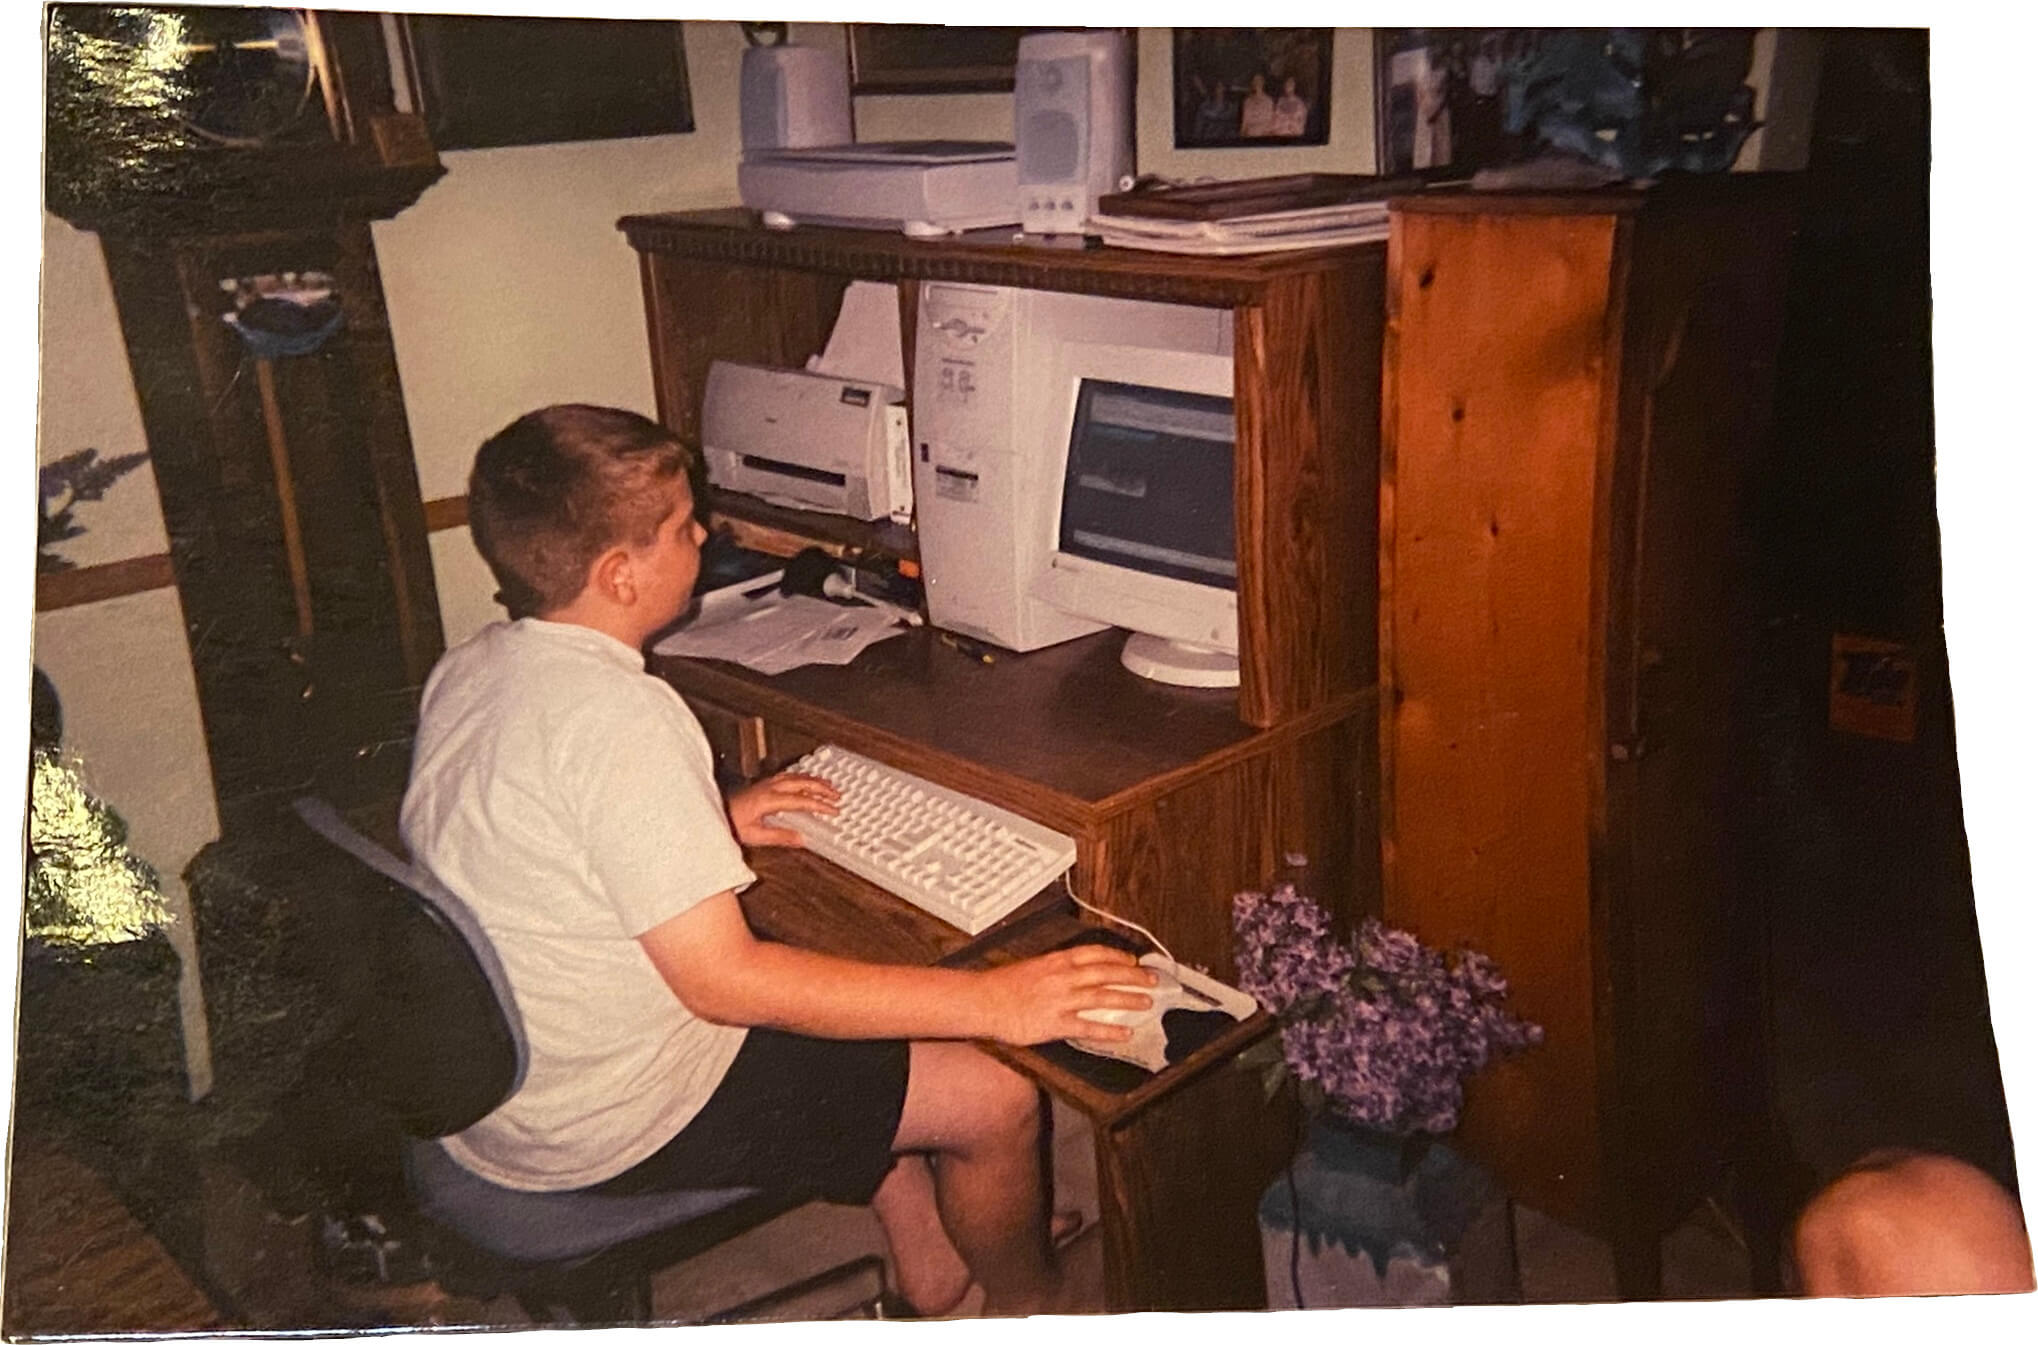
[[1786, 82], [122, 667], [88, 399], [466, 588], [509, 287]]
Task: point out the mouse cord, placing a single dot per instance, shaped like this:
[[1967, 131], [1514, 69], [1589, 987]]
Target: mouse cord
[[1151, 937]]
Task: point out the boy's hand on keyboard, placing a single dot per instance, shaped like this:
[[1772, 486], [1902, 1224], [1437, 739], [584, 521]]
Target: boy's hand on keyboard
[[1038, 1000], [786, 793]]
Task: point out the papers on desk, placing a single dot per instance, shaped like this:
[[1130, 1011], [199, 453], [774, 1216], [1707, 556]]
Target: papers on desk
[[1271, 231], [771, 633]]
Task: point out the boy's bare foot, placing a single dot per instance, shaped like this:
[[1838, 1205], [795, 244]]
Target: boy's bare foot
[[1078, 1280], [1080, 1259], [933, 1290], [937, 1286]]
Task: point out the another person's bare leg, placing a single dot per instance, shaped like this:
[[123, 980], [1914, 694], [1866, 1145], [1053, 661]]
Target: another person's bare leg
[[979, 1123], [1911, 1223]]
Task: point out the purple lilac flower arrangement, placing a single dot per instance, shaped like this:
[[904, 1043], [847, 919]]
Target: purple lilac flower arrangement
[[1378, 1028]]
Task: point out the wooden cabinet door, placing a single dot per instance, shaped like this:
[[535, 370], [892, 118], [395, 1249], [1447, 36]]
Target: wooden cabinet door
[[1576, 390], [1499, 375]]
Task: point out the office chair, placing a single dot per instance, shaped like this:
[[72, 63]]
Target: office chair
[[434, 1043]]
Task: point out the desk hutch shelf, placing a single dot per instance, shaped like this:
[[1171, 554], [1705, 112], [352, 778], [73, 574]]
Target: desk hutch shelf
[[1176, 798], [717, 285]]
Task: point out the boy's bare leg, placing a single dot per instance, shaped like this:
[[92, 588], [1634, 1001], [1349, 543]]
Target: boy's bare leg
[[980, 1124], [932, 1276]]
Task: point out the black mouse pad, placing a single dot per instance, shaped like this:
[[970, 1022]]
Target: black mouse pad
[[1188, 1030]]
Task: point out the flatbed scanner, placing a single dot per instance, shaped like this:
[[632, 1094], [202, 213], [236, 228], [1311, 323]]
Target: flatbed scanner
[[808, 440], [923, 187]]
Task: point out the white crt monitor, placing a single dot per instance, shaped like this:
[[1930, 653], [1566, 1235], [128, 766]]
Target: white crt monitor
[[1139, 510]]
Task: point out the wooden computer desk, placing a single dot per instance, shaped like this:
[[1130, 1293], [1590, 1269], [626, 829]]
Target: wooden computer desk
[[1176, 799], [1181, 1157], [1174, 805]]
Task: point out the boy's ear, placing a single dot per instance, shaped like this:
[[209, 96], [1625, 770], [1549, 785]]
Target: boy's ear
[[611, 576]]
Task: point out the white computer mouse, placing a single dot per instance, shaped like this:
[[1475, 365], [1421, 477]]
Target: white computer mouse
[[1173, 988], [1163, 992]]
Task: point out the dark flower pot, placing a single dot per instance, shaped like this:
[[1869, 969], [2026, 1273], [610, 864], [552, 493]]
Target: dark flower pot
[[1364, 1218]]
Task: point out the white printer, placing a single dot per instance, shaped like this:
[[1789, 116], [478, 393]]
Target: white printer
[[808, 440]]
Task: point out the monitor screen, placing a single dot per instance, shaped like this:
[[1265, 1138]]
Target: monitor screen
[[1148, 484], [1137, 507]]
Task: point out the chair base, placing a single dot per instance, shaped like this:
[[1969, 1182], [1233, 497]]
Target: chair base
[[820, 1297], [614, 1287]]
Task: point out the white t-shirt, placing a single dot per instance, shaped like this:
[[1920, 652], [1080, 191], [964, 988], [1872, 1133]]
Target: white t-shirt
[[569, 798]]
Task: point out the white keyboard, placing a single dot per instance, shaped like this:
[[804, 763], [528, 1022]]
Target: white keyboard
[[963, 860]]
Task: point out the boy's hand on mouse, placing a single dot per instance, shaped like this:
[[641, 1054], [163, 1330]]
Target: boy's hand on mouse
[[786, 793], [1039, 999]]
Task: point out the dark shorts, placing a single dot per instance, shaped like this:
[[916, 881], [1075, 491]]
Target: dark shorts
[[796, 1115]]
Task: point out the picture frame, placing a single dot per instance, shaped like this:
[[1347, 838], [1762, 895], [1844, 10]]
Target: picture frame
[[1439, 97], [931, 58], [483, 82], [1252, 88]]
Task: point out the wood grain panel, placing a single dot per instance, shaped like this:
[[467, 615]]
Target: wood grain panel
[[736, 740], [1307, 363], [1489, 697], [1174, 861], [1703, 327], [376, 616], [78, 1264], [1182, 1232], [698, 312], [58, 589], [734, 238], [802, 899], [1045, 734], [450, 512], [1173, 865], [392, 463]]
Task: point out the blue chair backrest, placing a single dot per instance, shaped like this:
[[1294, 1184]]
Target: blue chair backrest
[[432, 1033]]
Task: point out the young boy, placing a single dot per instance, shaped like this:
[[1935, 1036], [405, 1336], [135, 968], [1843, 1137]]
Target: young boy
[[569, 798]]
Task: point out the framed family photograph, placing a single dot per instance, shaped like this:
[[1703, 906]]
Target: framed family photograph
[[1251, 87], [1441, 95], [931, 58]]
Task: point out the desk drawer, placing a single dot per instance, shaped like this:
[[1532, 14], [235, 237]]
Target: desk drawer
[[784, 746], [746, 746], [737, 739]]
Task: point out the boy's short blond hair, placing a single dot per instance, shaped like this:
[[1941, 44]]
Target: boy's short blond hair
[[559, 486]]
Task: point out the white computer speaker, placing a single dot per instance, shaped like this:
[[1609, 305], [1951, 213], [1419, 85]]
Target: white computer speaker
[[794, 98], [1072, 120]]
